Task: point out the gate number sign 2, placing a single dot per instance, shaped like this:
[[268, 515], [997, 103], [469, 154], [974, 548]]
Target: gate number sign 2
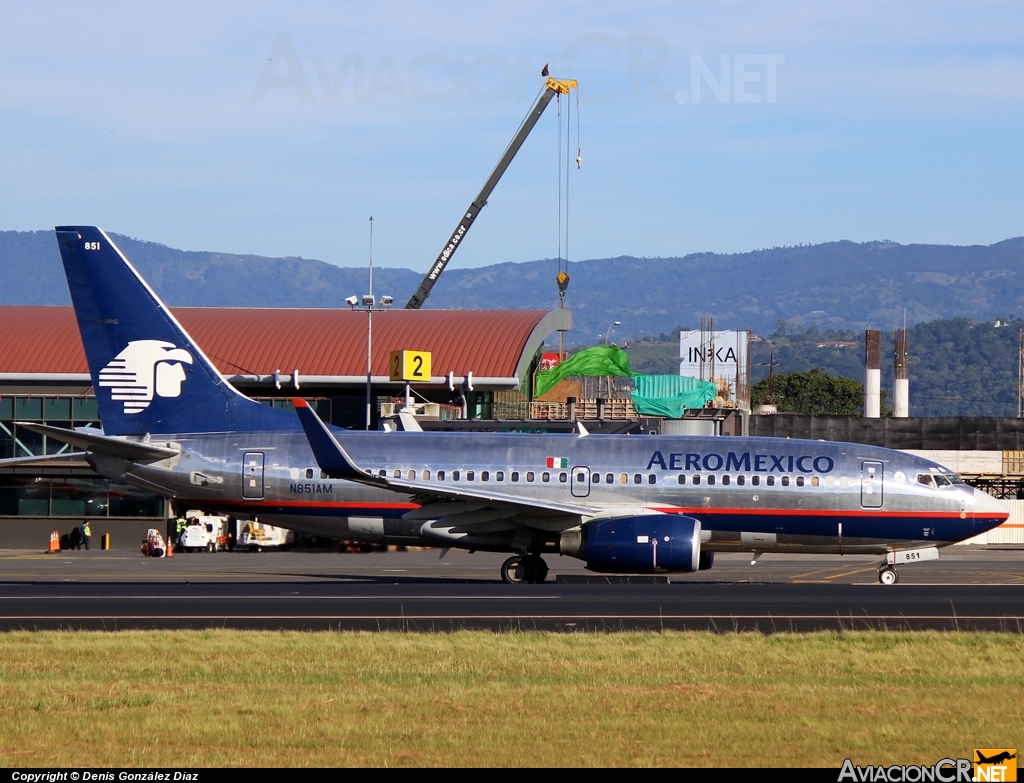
[[410, 366]]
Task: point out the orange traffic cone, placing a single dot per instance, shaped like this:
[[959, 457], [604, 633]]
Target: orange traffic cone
[[169, 551], [54, 542]]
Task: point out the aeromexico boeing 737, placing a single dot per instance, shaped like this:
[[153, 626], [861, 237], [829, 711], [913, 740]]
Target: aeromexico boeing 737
[[173, 425]]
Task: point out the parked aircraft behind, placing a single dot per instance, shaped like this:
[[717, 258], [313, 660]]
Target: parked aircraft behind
[[172, 424]]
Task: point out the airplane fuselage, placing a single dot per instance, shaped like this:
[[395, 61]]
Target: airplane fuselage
[[760, 494]]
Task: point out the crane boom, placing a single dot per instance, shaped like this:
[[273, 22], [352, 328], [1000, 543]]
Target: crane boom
[[551, 88]]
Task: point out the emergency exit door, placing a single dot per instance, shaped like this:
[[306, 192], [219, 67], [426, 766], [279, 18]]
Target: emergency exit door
[[252, 475], [580, 481], [871, 484]]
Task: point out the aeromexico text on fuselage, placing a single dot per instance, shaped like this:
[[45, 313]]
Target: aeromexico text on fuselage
[[744, 461]]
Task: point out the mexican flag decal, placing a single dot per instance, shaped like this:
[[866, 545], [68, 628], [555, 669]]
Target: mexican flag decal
[[558, 462]]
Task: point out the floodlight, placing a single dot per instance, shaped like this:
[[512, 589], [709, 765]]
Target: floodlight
[[385, 301], [352, 301], [368, 300]]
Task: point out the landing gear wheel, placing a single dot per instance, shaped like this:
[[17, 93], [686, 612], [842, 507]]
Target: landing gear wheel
[[536, 569], [513, 571], [888, 576]]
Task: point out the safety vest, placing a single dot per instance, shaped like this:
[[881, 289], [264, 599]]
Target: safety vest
[[85, 530]]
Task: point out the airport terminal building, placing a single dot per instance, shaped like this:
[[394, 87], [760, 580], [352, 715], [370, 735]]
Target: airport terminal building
[[271, 355]]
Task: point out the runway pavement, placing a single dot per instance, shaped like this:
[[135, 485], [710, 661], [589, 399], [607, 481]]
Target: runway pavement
[[967, 589]]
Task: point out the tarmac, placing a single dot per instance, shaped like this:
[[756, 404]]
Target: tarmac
[[968, 588]]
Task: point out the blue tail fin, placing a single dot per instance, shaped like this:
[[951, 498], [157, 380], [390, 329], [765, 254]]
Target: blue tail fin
[[148, 374]]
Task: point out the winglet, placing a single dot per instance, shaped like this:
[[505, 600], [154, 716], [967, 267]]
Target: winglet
[[330, 456]]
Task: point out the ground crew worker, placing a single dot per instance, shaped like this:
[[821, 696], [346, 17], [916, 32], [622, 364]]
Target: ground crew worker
[[180, 525], [86, 534]]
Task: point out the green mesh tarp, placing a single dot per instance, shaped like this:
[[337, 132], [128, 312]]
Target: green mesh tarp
[[670, 395], [599, 360]]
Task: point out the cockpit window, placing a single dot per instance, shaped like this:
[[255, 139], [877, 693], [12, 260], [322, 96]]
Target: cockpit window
[[926, 479], [942, 480], [955, 479]]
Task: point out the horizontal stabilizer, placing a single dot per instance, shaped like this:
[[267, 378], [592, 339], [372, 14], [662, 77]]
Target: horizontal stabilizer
[[104, 444], [42, 460]]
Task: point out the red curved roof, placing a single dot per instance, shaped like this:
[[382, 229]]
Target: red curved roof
[[244, 341]]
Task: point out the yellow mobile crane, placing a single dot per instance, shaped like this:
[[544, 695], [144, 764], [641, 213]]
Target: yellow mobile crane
[[552, 88]]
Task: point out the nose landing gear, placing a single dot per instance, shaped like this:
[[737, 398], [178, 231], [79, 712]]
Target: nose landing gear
[[530, 569], [888, 576]]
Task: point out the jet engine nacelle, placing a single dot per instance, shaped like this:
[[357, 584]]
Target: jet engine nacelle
[[636, 544]]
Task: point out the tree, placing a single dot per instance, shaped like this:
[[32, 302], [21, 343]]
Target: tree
[[814, 392]]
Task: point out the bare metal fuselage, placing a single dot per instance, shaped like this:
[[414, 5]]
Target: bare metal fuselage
[[750, 494]]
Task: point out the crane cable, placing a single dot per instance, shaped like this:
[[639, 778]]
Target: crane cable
[[563, 261]]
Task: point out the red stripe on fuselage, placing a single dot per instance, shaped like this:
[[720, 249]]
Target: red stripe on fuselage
[[822, 512]]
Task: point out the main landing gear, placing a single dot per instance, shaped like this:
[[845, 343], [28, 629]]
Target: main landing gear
[[888, 575], [530, 569]]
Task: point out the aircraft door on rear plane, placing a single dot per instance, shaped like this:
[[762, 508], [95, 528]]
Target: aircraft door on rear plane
[[871, 484], [580, 481], [252, 475]]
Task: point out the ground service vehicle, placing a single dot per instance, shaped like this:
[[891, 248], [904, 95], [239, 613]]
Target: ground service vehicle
[[203, 531], [259, 536]]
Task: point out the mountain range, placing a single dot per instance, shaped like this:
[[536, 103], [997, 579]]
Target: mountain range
[[835, 285]]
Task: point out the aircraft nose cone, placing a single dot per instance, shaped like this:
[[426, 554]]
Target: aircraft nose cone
[[988, 511]]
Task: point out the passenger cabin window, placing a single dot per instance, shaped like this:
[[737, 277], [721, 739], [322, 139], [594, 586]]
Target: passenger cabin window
[[696, 480], [499, 475], [623, 478], [711, 481], [682, 479], [309, 473], [382, 473], [609, 478], [426, 475], [456, 474], [799, 481], [581, 477], [440, 475], [485, 476], [924, 478], [515, 476], [397, 473], [545, 477], [755, 481], [411, 475], [596, 478], [323, 474], [529, 477], [770, 481], [726, 480], [652, 478], [785, 481], [637, 478], [470, 475], [564, 477], [741, 480], [814, 481]]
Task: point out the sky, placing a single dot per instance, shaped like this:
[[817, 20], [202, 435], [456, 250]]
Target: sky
[[279, 129]]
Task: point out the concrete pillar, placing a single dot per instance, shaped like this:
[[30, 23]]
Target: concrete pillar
[[872, 373], [900, 377]]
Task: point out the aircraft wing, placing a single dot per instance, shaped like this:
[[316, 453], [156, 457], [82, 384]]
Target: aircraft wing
[[103, 444], [336, 463]]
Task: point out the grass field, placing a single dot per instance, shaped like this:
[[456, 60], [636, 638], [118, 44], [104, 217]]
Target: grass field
[[229, 698]]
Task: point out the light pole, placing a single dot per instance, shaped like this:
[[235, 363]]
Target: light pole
[[607, 334], [368, 304]]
